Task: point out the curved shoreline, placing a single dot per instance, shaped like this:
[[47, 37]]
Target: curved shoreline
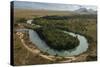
[[74, 51], [76, 58], [37, 52], [47, 49]]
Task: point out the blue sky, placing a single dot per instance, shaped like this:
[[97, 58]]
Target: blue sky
[[50, 6]]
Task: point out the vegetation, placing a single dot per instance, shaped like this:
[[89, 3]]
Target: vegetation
[[21, 20], [81, 24], [52, 26], [24, 57], [76, 23], [57, 39]]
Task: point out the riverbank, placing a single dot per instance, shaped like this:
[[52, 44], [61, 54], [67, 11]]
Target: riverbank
[[25, 54], [88, 55], [29, 57], [32, 48]]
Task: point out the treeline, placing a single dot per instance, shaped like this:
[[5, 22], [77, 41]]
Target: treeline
[[55, 17]]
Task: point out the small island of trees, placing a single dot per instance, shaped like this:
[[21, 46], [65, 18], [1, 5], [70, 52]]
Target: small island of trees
[[57, 39], [51, 27]]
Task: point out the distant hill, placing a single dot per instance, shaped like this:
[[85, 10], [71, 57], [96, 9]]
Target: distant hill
[[81, 10], [85, 11]]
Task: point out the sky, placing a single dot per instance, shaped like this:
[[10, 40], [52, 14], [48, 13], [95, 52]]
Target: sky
[[50, 6]]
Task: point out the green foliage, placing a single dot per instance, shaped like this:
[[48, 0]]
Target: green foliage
[[59, 40], [52, 26]]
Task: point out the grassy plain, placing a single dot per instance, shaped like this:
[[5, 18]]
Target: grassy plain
[[30, 14], [83, 26]]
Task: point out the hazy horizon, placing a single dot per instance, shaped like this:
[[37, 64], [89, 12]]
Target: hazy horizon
[[51, 6]]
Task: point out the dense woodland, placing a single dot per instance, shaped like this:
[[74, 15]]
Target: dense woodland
[[57, 39]]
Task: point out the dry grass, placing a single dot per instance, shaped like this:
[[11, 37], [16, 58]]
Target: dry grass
[[29, 14], [24, 57]]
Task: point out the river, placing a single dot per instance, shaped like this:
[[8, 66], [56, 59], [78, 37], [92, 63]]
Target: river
[[34, 38]]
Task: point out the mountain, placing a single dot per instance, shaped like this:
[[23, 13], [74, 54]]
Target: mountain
[[85, 11], [81, 10], [92, 11]]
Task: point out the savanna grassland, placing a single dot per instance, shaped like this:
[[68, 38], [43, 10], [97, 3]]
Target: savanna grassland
[[24, 57], [29, 14], [52, 22]]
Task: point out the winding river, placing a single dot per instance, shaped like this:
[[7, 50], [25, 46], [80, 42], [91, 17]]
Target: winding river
[[34, 38]]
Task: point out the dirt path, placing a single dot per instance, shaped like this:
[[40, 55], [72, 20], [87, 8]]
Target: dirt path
[[35, 51], [50, 58]]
